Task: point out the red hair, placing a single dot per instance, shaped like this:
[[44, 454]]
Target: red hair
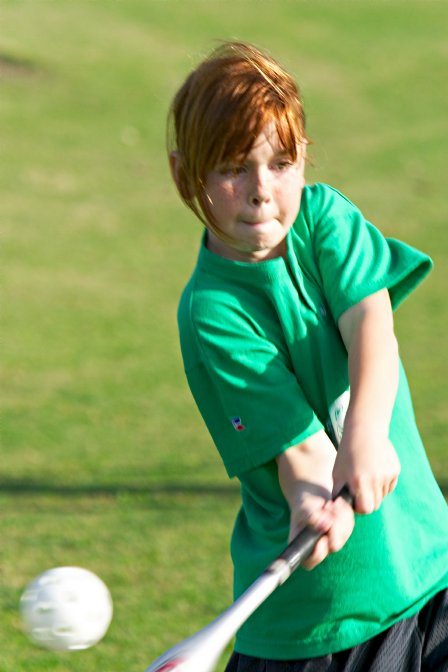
[[222, 107]]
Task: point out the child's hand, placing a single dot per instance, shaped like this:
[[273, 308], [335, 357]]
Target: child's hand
[[369, 467], [335, 518]]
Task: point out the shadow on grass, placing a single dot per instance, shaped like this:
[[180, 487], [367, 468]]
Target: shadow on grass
[[24, 486], [30, 487], [14, 67]]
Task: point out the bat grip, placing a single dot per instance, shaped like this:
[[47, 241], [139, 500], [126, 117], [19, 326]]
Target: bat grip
[[303, 544]]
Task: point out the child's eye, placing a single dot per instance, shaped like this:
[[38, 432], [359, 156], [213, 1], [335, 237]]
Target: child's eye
[[232, 170], [284, 164]]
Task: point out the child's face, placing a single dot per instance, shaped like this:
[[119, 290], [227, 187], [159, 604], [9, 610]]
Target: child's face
[[255, 203]]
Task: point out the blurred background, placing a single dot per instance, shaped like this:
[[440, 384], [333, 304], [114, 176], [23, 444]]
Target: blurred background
[[105, 462]]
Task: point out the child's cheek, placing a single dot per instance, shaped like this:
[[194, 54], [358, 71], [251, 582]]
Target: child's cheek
[[229, 196]]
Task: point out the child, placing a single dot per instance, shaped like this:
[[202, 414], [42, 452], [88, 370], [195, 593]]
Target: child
[[286, 328]]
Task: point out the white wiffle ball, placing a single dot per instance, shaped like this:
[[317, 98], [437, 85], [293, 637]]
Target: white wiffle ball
[[66, 609]]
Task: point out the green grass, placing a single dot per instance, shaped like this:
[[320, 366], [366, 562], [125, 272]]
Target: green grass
[[105, 461]]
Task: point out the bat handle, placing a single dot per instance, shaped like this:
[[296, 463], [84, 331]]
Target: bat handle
[[303, 544]]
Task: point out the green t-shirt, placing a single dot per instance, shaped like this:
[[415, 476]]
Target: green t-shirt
[[265, 362]]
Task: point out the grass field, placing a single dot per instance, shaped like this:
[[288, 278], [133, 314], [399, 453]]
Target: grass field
[[105, 462]]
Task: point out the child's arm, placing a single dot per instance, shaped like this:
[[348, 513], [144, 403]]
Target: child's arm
[[305, 475], [366, 460]]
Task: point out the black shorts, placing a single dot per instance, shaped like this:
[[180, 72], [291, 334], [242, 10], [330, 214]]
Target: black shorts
[[417, 644]]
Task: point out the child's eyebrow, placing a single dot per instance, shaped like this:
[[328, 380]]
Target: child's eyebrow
[[279, 153], [283, 153]]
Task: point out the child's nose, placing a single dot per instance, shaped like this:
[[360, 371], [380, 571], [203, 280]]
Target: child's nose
[[259, 191]]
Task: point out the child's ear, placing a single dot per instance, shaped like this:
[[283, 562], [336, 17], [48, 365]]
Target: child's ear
[[178, 174]]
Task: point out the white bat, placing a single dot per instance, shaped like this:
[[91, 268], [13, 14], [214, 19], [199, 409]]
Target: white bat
[[201, 652]]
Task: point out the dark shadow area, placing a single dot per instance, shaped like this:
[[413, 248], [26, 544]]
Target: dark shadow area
[[12, 67], [24, 487], [28, 487]]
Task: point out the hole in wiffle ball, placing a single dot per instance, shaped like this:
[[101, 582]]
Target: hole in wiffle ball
[[44, 608]]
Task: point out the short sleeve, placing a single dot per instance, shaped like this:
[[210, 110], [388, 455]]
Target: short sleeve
[[355, 259], [246, 392]]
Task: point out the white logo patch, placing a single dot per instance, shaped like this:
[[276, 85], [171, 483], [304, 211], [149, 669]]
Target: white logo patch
[[338, 411]]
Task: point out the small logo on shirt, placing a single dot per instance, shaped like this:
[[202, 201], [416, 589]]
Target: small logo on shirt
[[237, 424]]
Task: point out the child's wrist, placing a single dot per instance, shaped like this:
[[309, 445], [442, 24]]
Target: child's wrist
[[362, 429]]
